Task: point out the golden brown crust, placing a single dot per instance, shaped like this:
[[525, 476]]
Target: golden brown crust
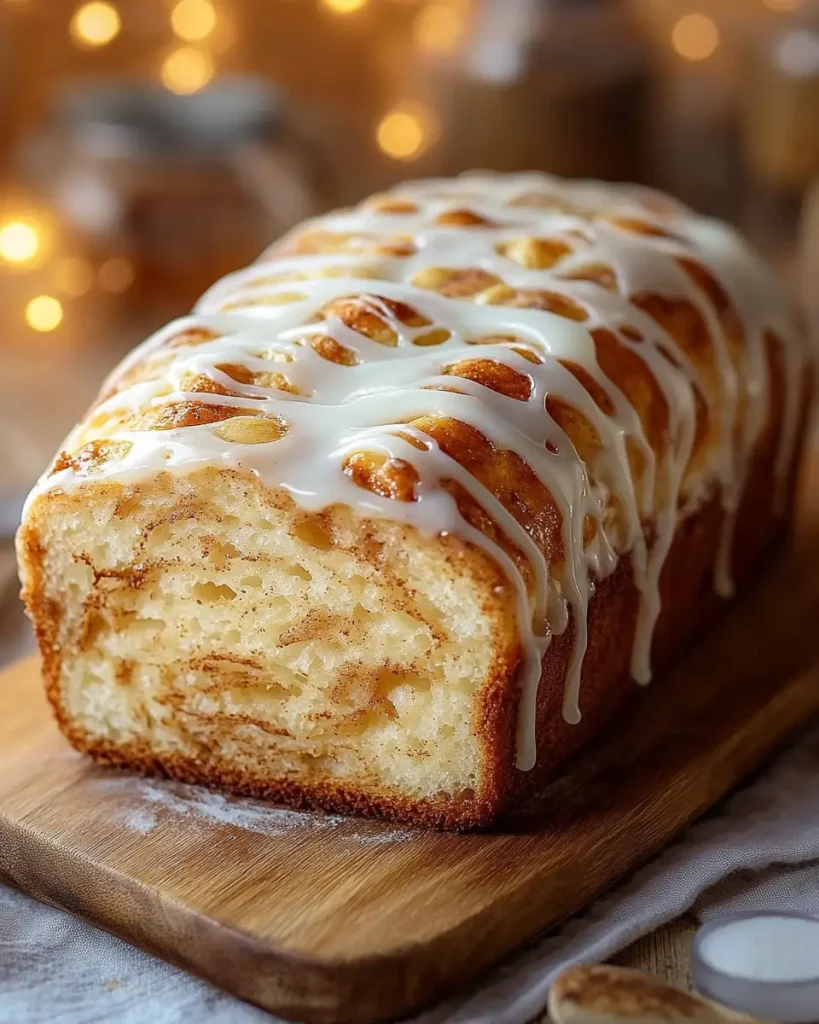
[[619, 994], [688, 603]]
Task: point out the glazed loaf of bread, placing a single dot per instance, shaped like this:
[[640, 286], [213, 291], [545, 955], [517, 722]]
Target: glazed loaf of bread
[[393, 522]]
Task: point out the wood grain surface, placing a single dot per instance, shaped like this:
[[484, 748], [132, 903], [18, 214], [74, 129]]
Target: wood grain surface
[[330, 920], [665, 953]]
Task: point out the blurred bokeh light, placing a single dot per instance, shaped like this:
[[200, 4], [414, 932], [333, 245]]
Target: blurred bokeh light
[[193, 20], [406, 131], [44, 313], [19, 241], [187, 70], [439, 26], [344, 6], [695, 37], [73, 276], [95, 24]]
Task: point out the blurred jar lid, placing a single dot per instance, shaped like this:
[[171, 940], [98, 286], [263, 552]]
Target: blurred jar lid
[[557, 39], [780, 106], [795, 51], [140, 119]]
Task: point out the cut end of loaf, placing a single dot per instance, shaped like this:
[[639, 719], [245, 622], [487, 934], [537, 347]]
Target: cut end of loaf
[[207, 627]]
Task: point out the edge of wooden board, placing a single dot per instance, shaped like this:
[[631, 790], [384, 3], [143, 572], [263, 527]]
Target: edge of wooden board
[[378, 987]]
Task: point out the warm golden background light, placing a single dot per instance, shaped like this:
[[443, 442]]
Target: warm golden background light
[[186, 70], [95, 24], [73, 276], [19, 242], [695, 37], [116, 275], [406, 131], [223, 37], [44, 313], [377, 90], [343, 6], [439, 26], [193, 20]]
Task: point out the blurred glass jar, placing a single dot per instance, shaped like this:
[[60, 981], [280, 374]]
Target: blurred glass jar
[[174, 191], [808, 264], [779, 117], [556, 85], [781, 106]]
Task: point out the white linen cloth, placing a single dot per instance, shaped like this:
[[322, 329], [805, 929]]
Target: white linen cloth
[[759, 850]]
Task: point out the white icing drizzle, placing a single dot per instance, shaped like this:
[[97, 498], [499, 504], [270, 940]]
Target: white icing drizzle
[[338, 410]]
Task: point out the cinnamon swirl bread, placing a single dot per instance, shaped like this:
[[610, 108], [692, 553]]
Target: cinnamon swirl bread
[[393, 522]]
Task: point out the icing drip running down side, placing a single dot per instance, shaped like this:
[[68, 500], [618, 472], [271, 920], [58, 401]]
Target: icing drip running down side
[[597, 353]]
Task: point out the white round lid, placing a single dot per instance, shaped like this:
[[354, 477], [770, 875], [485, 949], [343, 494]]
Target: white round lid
[[764, 963]]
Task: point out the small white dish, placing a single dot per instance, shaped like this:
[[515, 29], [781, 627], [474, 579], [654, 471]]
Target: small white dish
[[764, 963]]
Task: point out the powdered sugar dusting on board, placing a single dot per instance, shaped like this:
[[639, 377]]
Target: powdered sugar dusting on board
[[143, 805], [141, 819]]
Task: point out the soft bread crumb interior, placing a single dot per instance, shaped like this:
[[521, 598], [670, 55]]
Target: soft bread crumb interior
[[205, 617]]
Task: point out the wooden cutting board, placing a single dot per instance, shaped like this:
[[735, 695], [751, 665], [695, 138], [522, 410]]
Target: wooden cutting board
[[330, 920]]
